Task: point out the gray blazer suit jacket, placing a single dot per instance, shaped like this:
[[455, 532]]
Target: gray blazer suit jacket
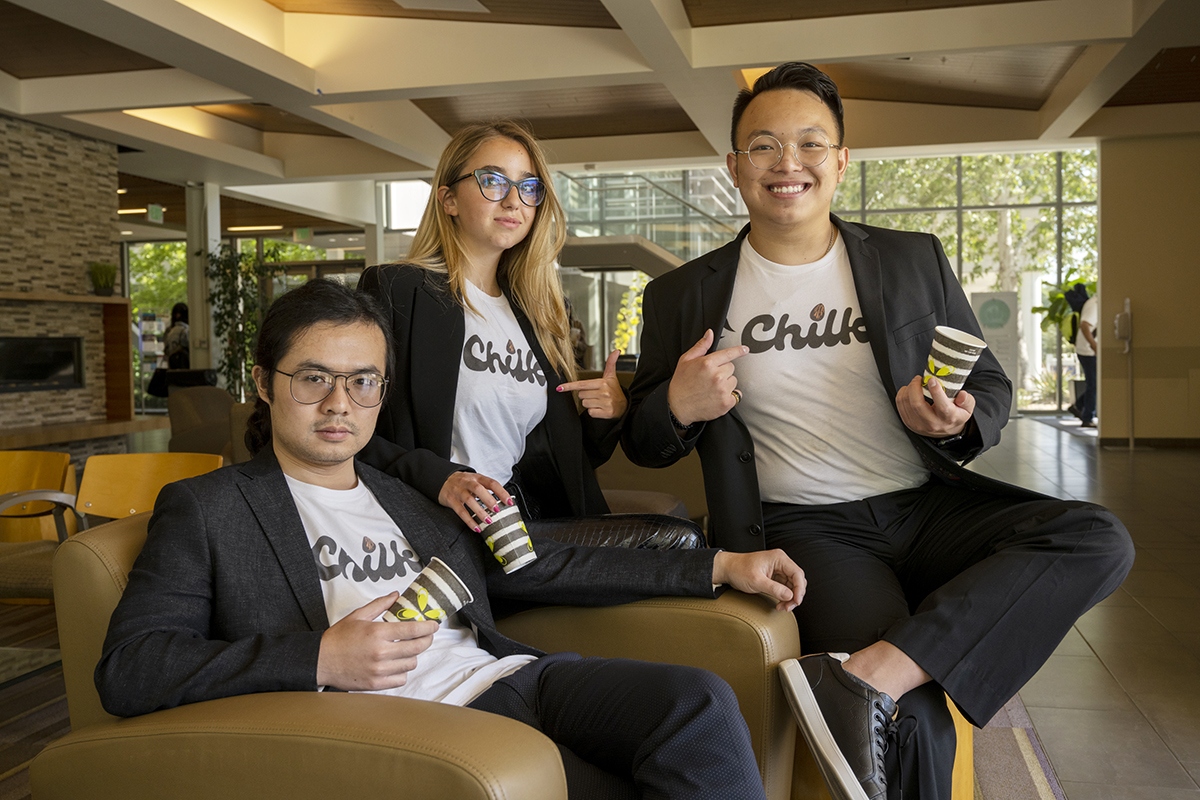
[[225, 597], [905, 288]]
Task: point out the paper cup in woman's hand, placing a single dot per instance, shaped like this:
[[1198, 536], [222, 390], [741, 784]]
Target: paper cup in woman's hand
[[508, 539]]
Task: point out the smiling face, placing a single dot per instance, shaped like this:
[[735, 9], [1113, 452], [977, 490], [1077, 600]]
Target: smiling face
[[789, 196], [488, 227], [317, 443]]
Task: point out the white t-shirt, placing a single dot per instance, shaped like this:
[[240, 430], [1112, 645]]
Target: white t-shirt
[[1090, 313], [501, 389], [824, 428], [361, 555]]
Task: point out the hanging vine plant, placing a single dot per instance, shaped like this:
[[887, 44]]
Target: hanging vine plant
[[238, 297]]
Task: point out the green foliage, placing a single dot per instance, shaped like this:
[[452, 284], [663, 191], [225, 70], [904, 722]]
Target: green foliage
[[1057, 310], [238, 302], [1043, 388], [158, 276], [294, 251]]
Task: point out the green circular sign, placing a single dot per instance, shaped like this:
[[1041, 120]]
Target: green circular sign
[[994, 314]]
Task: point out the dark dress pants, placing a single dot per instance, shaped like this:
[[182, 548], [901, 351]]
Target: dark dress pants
[[1087, 403], [977, 587], [633, 729]]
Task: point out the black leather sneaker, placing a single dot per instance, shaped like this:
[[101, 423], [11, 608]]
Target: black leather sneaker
[[845, 722]]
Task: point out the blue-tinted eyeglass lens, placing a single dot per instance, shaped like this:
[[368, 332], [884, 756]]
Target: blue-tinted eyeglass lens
[[532, 190]]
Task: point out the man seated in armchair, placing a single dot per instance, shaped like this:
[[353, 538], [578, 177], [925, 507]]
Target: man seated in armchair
[[244, 586]]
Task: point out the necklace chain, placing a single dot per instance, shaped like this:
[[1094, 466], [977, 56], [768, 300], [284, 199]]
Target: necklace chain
[[832, 238]]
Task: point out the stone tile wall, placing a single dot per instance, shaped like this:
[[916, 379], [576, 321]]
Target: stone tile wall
[[58, 211]]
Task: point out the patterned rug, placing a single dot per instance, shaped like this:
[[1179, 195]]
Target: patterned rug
[[1009, 761]]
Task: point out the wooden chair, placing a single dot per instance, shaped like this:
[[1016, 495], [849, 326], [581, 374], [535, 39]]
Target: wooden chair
[[113, 486], [31, 470]]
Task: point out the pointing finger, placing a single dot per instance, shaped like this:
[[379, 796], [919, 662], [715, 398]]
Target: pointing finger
[[728, 354]]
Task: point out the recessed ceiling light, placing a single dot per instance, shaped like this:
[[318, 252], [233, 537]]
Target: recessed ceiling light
[[127, 233], [255, 228], [122, 191], [131, 211]]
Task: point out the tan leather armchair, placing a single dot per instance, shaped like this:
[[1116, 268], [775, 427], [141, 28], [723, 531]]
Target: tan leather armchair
[[301, 744]]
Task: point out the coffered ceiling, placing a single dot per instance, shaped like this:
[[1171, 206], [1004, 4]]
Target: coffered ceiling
[[290, 103]]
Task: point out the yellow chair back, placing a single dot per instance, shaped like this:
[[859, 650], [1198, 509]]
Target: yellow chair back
[[122, 485], [25, 470]]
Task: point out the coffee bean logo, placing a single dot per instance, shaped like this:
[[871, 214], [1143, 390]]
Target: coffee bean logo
[[818, 312]]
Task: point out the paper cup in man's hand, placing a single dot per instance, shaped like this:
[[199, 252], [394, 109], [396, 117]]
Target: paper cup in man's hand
[[435, 594], [508, 539], [951, 359]]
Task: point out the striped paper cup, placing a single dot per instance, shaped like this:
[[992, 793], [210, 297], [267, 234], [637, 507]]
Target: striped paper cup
[[435, 594], [951, 359], [508, 539]]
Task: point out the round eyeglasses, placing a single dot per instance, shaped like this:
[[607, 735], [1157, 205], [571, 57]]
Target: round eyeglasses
[[811, 150], [309, 386], [495, 187]]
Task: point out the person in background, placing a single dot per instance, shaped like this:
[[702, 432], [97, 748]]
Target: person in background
[[176, 348], [1086, 348], [482, 407]]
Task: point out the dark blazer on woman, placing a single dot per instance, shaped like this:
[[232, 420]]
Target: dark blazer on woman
[[412, 438]]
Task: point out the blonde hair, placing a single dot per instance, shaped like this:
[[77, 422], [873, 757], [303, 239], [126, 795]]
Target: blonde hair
[[527, 266]]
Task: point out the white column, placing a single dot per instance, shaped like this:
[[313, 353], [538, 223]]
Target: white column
[[203, 237], [374, 233]]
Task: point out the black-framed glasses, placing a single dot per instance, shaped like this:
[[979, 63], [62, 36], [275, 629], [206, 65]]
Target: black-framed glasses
[[495, 187], [811, 150], [309, 386]]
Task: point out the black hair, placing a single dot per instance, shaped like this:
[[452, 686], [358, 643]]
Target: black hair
[[179, 313], [293, 313], [792, 75]]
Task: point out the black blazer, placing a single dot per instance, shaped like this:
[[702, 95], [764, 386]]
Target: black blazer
[[225, 599], [413, 435], [905, 286]]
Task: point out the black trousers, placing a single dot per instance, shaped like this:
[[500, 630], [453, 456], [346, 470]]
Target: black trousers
[[1087, 403], [977, 588], [633, 729]]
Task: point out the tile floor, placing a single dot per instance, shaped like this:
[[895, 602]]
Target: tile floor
[[1117, 707]]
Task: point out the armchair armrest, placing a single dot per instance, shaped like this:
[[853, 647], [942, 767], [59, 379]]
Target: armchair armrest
[[737, 636], [303, 744]]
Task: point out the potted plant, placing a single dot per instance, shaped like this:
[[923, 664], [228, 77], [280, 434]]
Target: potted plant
[[104, 277], [1058, 313], [238, 297]]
